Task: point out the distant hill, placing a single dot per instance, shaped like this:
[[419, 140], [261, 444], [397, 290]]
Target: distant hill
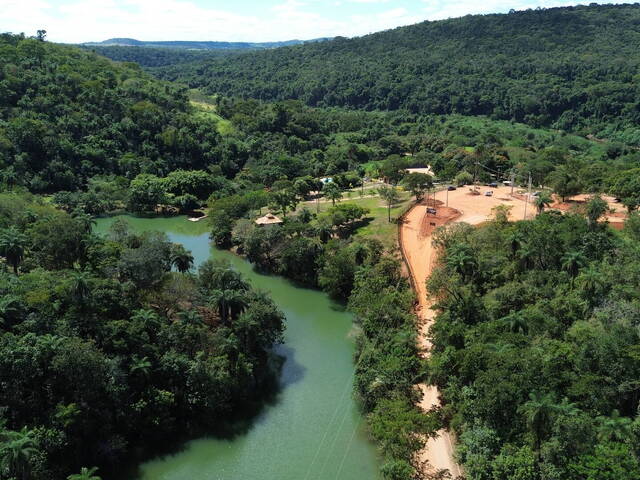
[[204, 45], [574, 68]]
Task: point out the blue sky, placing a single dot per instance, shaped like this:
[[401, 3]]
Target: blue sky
[[234, 20]]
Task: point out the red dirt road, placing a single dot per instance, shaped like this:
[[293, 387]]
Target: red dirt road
[[415, 241]]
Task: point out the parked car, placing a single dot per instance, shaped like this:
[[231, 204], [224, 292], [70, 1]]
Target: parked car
[[493, 185], [488, 193], [432, 210], [451, 188]]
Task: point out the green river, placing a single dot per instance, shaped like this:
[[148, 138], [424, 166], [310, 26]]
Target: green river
[[313, 431]]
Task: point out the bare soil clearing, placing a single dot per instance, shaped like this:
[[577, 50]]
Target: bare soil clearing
[[415, 242]]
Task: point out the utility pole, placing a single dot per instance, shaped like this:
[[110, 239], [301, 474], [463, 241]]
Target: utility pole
[[527, 199], [447, 197], [475, 173], [513, 181]]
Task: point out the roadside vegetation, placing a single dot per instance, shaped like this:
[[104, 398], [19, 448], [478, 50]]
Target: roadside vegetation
[[533, 348]]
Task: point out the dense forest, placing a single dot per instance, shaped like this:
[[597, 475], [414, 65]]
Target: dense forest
[[197, 45], [573, 68], [149, 57], [71, 121], [536, 346], [110, 346]]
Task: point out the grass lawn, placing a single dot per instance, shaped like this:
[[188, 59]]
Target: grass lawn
[[206, 109], [378, 226]]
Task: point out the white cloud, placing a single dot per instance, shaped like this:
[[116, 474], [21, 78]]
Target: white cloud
[[85, 20]]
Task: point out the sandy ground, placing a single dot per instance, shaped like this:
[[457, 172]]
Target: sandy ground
[[415, 239]]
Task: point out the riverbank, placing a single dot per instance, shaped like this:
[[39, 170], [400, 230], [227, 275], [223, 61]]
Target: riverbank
[[313, 429]]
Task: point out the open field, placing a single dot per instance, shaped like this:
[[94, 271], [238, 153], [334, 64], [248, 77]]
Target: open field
[[379, 226]]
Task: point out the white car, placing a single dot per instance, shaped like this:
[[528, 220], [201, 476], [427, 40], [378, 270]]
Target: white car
[[488, 193]]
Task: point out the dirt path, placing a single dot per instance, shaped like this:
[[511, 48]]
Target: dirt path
[[415, 241]]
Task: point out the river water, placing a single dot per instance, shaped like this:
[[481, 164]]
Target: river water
[[313, 430]]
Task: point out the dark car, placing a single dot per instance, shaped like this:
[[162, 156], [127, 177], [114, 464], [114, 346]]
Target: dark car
[[493, 185], [451, 188]]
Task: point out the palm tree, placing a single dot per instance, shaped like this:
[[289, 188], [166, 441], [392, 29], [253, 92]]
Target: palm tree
[[12, 247], [9, 308], [516, 323], [218, 275], [16, 452], [324, 230], [332, 191], [526, 257], [542, 201], [539, 412], [592, 283], [572, 262], [87, 221], [80, 289], [391, 196], [614, 427], [230, 303], [140, 366], [462, 261], [191, 316], [181, 258], [85, 474], [515, 241], [148, 318]]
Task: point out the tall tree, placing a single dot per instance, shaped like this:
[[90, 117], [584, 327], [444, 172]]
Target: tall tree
[[418, 184], [332, 191], [12, 247], [229, 303], [16, 452], [596, 208], [572, 262], [391, 196], [542, 201], [181, 258]]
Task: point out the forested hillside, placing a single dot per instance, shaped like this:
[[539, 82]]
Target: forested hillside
[[149, 57], [536, 345], [67, 115], [71, 120], [572, 68]]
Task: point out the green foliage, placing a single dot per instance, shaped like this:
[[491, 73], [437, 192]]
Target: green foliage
[[528, 346], [106, 352], [391, 196], [626, 186], [145, 193], [570, 68], [69, 115], [463, 178], [332, 191], [418, 184]]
